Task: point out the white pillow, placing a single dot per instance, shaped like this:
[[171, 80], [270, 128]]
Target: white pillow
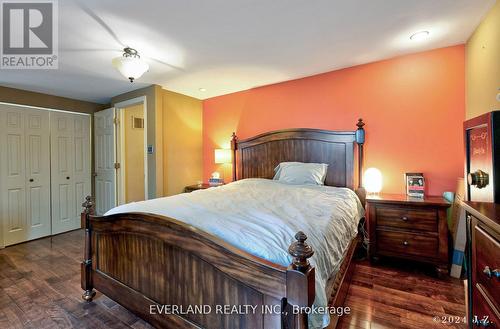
[[301, 173]]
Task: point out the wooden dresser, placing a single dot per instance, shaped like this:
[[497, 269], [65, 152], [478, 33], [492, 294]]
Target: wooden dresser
[[403, 227], [483, 234]]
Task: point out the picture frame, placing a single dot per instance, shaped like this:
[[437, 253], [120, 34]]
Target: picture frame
[[415, 185]]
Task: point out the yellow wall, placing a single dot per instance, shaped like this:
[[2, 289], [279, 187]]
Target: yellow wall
[[483, 66], [182, 141], [134, 155], [174, 127]]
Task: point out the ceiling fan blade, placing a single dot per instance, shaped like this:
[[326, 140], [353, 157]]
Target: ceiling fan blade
[[89, 50], [103, 24], [165, 63], [99, 20]]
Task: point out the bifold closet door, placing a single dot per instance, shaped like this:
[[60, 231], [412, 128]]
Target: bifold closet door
[[24, 174], [70, 167]]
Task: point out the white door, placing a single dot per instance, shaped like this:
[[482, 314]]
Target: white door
[[105, 172], [38, 173], [81, 165], [70, 168], [25, 174]]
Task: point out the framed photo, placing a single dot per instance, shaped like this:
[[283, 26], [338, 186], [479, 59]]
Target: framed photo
[[415, 185]]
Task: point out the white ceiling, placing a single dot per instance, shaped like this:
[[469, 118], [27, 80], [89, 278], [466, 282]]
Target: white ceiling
[[231, 45]]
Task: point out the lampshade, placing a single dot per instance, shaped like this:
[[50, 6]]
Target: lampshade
[[130, 65], [372, 180], [222, 156]]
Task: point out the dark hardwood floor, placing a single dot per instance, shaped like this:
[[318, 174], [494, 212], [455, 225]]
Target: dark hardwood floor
[[40, 288], [396, 294]]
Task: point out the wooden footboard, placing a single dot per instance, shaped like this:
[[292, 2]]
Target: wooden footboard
[[176, 276]]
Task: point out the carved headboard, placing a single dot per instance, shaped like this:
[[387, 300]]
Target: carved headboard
[[256, 157]]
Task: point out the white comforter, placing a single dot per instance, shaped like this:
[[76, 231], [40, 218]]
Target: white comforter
[[262, 216]]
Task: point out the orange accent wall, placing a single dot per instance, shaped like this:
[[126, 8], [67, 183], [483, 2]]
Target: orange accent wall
[[413, 106]]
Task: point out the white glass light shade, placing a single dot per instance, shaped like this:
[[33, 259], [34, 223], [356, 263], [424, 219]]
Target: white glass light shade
[[419, 36], [222, 156], [372, 180], [130, 67]]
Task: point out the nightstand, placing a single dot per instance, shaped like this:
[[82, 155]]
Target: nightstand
[[191, 188], [410, 228]]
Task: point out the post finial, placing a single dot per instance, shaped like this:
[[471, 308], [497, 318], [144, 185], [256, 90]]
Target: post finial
[[88, 204], [360, 140], [300, 251], [360, 132], [234, 141], [360, 123], [234, 138]]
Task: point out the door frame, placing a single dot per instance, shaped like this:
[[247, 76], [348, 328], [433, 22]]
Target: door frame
[[120, 177], [91, 138]]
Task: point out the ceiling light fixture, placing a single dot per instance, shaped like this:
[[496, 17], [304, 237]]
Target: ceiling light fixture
[[202, 89], [130, 65], [419, 35]]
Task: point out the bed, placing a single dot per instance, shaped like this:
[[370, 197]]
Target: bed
[[187, 274]]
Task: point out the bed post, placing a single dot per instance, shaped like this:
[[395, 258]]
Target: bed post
[[300, 284], [234, 139], [360, 140], [86, 267]]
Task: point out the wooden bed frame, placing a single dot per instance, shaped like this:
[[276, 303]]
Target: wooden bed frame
[[146, 262]]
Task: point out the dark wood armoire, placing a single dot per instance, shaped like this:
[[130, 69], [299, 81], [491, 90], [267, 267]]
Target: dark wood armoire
[[482, 169]]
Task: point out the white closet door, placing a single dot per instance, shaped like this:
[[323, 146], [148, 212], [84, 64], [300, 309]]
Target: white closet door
[[25, 174], [15, 228], [38, 173], [105, 179], [70, 167], [62, 158]]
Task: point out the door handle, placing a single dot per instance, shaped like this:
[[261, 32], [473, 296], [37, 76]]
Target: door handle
[[479, 179], [67, 177], [31, 180]]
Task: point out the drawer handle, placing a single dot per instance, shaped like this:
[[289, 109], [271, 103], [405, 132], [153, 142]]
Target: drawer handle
[[404, 219], [489, 273], [406, 243]]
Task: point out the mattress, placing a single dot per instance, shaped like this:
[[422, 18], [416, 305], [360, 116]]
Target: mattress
[[261, 217]]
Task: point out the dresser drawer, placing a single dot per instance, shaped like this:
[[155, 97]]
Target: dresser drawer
[[407, 218], [487, 258], [483, 311], [390, 242]]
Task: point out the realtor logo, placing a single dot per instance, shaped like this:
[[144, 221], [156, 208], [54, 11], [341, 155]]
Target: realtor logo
[[29, 34]]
